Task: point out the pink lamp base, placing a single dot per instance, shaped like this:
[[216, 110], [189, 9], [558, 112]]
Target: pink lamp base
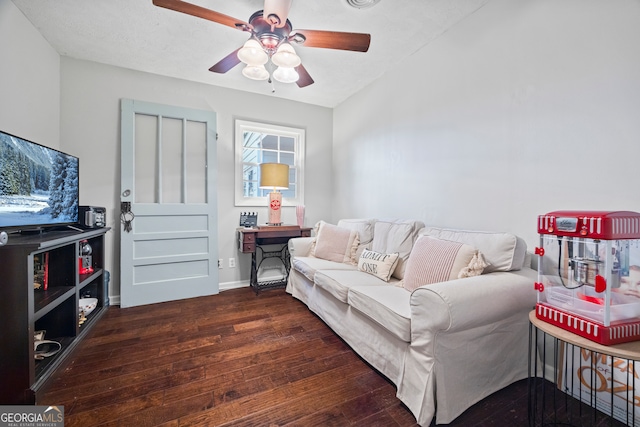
[[275, 211]]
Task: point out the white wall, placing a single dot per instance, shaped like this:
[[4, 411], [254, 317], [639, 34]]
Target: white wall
[[29, 80], [90, 129], [525, 107]]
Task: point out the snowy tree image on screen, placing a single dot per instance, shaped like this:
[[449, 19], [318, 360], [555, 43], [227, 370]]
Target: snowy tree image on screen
[[38, 185], [63, 184]]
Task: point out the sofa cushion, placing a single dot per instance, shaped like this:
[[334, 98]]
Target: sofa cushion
[[335, 243], [389, 306], [309, 265], [392, 236], [503, 251], [434, 260], [338, 282], [380, 265], [364, 227]]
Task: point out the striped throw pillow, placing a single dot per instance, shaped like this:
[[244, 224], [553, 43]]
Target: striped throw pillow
[[434, 260]]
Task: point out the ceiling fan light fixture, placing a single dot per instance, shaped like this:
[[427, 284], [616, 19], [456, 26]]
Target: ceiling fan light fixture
[[252, 53], [255, 72], [271, 38], [286, 75], [286, 56]]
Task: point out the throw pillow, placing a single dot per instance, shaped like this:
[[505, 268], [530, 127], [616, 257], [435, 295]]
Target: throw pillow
[[434, 260], [378, 264], [335, 243]]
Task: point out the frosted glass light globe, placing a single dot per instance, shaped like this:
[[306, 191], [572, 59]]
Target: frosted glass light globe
[[252, 53], [255, 72], [286, 57], [286, 75]]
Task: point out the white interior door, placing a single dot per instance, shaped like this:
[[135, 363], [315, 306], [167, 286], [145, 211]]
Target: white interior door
[[168, 178]]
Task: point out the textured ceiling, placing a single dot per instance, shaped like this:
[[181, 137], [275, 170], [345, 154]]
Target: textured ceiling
[[136, 34]]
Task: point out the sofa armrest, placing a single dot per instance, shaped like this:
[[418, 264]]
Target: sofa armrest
[[300, 246], [471, 302]]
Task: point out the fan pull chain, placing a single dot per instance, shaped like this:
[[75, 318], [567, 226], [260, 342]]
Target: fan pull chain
[[270, 81]]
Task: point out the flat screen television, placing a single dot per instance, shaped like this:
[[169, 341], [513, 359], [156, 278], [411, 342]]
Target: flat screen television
[[39, 186]]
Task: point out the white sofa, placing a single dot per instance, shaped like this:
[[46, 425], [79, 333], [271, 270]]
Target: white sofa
[[445, 345]]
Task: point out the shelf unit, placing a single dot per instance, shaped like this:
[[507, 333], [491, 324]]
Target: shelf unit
[[25, 309]]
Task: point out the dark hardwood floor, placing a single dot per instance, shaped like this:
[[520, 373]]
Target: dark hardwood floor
[[235, 359]]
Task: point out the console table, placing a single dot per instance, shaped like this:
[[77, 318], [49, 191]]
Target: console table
[[252, 240], [604, 378]]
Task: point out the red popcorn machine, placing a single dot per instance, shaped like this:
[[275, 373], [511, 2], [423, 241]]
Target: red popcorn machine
[[589, 274]]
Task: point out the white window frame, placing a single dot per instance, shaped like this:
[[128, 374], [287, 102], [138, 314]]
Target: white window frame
[[298, 134]]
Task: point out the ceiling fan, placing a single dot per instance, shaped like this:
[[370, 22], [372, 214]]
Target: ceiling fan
[[271, 39]]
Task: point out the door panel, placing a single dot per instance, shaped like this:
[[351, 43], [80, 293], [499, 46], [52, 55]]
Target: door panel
[[171, 251]]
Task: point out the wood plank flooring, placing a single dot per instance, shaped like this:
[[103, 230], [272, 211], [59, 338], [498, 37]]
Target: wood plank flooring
[[234, 359]]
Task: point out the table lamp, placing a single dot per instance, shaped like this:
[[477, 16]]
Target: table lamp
[[276, 177]]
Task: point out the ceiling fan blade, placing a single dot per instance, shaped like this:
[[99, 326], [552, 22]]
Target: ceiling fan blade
[[357, 42], [202, 12], [305, 79], [226, 63]]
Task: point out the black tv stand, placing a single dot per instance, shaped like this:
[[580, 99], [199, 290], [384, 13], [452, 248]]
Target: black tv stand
[[30, 303]]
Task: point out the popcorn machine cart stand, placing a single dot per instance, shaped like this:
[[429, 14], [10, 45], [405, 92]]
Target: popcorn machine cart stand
[[589, 274]]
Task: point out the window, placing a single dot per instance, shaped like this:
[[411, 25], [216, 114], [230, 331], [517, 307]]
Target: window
[[264, 143]]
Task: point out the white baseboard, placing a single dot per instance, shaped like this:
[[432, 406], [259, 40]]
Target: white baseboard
[[115, 299], [233, 285]]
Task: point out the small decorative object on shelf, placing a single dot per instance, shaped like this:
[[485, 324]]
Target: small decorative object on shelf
[[38, 272], [248, 219], [44, 348], [84, 258], [87, 305], [589, 274]]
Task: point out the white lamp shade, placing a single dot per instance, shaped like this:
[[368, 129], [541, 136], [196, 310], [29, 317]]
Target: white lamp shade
[[252, 53], [286, 56], [286, 75], [255, 72], [274, 175]]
